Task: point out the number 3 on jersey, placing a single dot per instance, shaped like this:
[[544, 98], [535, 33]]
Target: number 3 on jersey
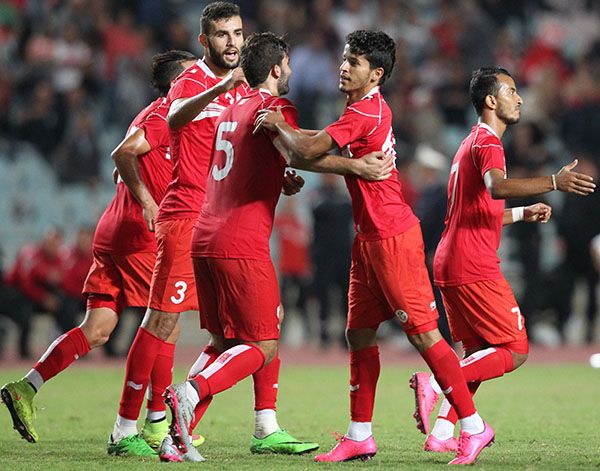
[[224, 145]]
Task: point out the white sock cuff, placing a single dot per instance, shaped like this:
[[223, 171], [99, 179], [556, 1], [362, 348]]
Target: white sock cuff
[[359, 431], [35, 378]]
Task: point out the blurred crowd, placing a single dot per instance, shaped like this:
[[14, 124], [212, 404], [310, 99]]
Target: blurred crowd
[[72, 70]]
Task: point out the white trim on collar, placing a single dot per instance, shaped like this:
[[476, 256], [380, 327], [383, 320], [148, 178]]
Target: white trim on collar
[[265, 90], [485, 126], [372, 92], [202, 64]]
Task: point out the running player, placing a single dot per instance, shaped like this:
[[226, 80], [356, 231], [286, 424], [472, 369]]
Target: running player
[[482, 311], [388, 277], [124, 255], [236, 282]]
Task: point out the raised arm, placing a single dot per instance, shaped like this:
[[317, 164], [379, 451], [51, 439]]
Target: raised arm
[[125, 156], [565, 180], [184, 110]]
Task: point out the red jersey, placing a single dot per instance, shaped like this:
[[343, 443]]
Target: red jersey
[[468, 249], [379, 208], [76, 266], [191, 145], [245, 180], [294, 241], [122, 228]]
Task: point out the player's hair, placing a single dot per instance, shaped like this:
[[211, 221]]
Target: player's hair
[[259, 54], [484, 82], [216, 11], [166, 66], [377, 47]]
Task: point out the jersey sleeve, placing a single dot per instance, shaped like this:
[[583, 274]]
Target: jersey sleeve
[[488, 155], [351, 126], [186, 87], [156, 130]]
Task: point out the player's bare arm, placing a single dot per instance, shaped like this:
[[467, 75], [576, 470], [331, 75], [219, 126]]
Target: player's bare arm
[[565, 180], [126, 160], [184, 110], [538, 212]]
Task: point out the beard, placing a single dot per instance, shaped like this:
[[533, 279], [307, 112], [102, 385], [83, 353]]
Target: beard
[[508, 120], [283, 85], [218, 59]]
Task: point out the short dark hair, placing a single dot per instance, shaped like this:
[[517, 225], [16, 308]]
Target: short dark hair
[[484, 82], [217, 11], [259, 54], [377, 47], [166, 66]]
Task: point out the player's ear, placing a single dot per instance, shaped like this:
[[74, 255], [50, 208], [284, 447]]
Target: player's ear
[[203, 40], [376, 74], [490, 101], [276, 71]]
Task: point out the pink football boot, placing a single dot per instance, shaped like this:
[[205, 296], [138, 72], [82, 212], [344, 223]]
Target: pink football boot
[[425, 400], [470, 445], [436, 445], [346, 450]]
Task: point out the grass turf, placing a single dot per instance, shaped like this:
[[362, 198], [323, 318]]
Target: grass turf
[[545, 417]]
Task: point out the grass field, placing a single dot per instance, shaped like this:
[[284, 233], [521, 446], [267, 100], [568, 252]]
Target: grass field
[[545, 417]]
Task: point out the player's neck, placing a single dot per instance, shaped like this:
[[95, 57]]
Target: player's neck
[[270, 86], [358, 94], [497, 125]]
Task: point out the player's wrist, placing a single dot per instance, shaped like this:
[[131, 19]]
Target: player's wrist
[[518, 213]]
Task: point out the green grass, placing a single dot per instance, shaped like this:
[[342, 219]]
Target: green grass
[[545, 417]]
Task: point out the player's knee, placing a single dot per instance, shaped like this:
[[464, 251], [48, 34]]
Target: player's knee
[[160, 324], [96, 335], [359, 339], [268, 348], [425, 340]]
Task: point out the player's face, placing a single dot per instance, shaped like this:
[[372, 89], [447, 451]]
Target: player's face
[[508, 101], [355, 72], [224, 41], [286, 72]]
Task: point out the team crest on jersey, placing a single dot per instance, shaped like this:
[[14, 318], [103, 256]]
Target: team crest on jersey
[[401, 315]]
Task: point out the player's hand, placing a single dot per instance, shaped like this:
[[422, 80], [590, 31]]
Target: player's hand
[[538, 212], [572, 182], [292, 183], [268, 119], [235, 78], [375, 166], [115, 175], [149, 212]]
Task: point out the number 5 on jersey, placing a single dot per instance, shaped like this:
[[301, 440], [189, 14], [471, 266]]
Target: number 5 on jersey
[[224, 145]]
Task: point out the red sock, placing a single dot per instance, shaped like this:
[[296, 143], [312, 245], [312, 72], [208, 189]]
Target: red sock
[[266, 385], [232, 366], [161, 377], [364, 373], [61, 353], [206, 358], [140, 360], [487, 364], [445, 366]]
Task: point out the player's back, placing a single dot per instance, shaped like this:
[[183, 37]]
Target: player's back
[[244, 183], [467, 251], [191, 145], [122, 228]]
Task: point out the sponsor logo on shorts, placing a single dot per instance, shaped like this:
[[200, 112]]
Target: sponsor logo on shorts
[[432, 305], [401, 315]]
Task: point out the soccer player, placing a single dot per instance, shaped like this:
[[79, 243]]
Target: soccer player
[[196, 100], [235, 279], [388, 277], [124, 253], [482, 311]]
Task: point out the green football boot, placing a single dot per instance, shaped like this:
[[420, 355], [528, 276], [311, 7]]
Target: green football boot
[[133, 445], [18, 398], [281, 442], [155, 432]]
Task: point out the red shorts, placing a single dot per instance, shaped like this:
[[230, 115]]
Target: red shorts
[[123, 278], [389, 278], [484, 313], [172, 288], [239, 298]]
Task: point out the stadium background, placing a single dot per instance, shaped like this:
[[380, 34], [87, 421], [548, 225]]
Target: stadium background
[[73, 73]]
